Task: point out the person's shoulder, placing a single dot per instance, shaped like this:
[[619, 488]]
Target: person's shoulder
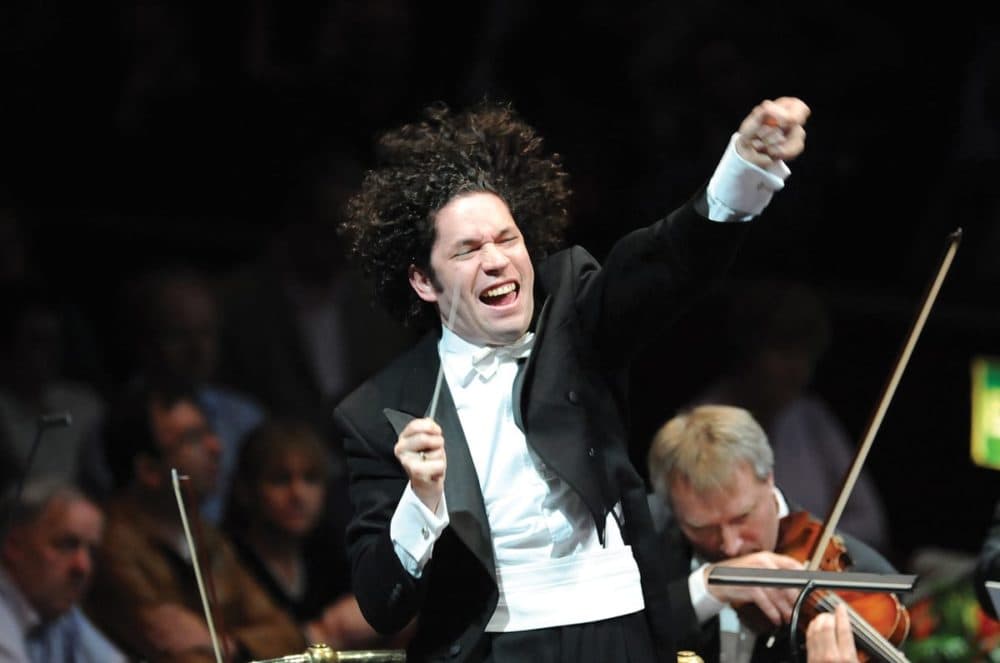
[[812, 406], [10, 601], [864, 557], [385, 386], [126, 527], [236, 403], [91, 642], [563, 258], [11, 634]]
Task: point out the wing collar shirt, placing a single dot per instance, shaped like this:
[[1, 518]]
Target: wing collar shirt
[[551, 567]]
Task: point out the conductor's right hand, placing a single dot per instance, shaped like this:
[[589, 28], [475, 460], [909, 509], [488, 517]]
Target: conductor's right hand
[[775, 603], [420, 450]]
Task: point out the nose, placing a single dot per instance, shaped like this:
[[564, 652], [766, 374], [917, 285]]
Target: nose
[[82, 561], [298, 488], [493, 259], [213, 444], [731, 541]]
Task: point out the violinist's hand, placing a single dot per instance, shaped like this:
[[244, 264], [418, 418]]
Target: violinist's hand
[[420, 450], [774, 130], [829, 638], [775, 603]]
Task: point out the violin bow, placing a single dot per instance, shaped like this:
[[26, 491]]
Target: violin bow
[[206, 605], [890, 389]]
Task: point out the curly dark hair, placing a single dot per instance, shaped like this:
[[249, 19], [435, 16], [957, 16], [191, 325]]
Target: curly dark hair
[[424, 165]]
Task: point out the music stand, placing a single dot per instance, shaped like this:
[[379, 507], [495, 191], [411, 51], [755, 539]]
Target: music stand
[[809, 581], [791, 578]]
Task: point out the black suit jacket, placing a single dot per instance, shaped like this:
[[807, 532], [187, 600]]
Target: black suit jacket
[[676, 555], [570, 401]]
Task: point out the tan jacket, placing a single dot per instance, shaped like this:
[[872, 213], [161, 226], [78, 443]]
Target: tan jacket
[[137, 567]]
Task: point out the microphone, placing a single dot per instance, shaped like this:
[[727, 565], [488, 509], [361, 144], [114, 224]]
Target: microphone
[[45, 422]]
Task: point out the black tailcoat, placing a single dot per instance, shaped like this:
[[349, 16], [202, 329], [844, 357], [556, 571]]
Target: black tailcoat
[[570, 400]]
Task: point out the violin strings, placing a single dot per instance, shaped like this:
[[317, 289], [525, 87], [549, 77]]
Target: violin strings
[[866, 633]]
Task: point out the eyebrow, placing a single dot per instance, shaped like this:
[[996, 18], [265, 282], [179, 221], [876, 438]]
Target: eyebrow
[[507, 230], [742, 514]]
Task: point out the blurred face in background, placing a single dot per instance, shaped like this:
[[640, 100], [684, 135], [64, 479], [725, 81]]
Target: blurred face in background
[[185, 338], [187, 443], [51, 559], [33, 358], [291, 492]]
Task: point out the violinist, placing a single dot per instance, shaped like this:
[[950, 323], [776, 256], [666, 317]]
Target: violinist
[[712, 467]]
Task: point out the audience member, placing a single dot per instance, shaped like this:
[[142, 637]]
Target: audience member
[[145, 593], [45, 569], [31, 384], [172, 331], [274, 520]]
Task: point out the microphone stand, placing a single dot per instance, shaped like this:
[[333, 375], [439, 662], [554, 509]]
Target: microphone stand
[[45, 422]]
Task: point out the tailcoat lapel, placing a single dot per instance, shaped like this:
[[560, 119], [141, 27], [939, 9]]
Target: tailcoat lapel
[[466, 510]]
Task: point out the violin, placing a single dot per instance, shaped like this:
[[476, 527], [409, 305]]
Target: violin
[[879, 622]]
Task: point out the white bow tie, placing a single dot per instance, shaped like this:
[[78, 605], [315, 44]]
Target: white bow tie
[[486, 361]]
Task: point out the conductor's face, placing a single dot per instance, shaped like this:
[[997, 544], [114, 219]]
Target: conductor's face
[[480, 265]]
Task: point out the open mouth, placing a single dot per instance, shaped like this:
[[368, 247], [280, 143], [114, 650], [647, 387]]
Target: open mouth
[[500, 295]]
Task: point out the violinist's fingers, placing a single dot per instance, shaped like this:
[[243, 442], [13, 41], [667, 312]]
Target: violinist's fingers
[[829, 638], [845, 635], [784, 602], [783, 562], [765, 600], [821, 639], [780, 601]]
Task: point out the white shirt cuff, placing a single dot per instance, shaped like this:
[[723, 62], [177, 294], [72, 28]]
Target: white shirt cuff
[[705, 605], [414, 528], [739, 190]]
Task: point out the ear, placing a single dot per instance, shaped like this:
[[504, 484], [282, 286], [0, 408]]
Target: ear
[[12, 545], [422, 284]]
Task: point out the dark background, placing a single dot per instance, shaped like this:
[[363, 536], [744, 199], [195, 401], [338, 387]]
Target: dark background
[[156, 130]]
